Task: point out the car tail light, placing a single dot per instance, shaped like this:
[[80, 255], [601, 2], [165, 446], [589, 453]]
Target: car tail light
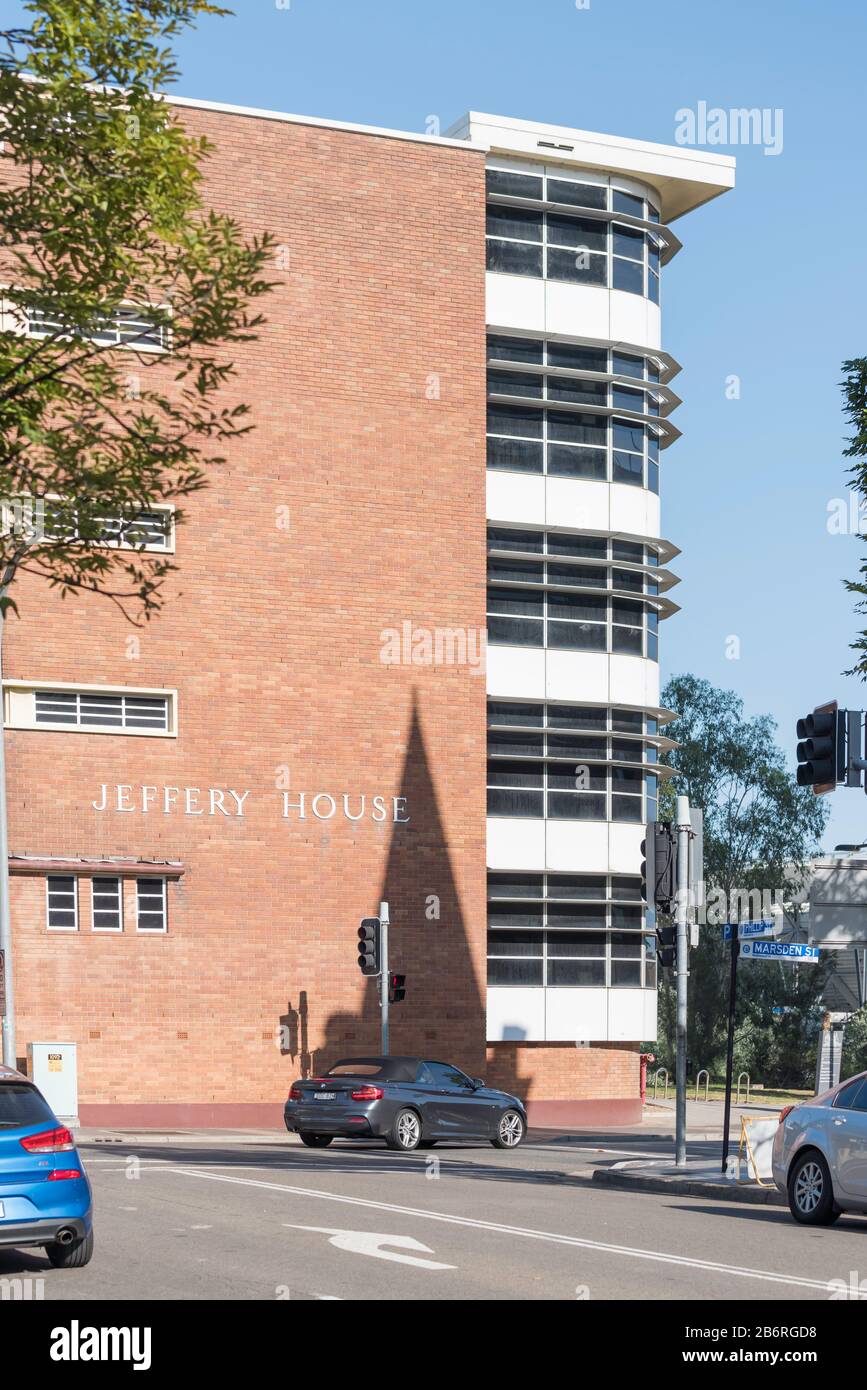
[[786, 1110], [295, 1093], [50, 1141], [368, 1093], [64, 1174]]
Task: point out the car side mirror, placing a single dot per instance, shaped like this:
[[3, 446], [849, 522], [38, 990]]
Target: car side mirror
[[479, 1082]]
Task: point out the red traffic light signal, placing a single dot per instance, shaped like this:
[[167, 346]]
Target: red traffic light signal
[[396, 990]]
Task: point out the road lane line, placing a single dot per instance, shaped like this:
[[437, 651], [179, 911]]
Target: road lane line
[[603, 1247]]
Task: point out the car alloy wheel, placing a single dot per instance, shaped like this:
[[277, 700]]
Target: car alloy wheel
[[809, 1186], [408, 1130], [510, 1129]]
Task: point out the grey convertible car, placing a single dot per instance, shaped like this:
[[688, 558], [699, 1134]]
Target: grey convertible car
[[820, 1154], [407, 1101]]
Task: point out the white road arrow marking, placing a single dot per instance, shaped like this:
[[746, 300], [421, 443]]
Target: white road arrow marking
[[371, 1243]]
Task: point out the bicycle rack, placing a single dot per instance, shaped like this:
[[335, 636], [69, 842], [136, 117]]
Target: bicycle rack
[[744, 1075], [706, 1074], [660, 1071]]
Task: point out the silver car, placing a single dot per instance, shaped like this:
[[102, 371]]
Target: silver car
[[820, 1154]]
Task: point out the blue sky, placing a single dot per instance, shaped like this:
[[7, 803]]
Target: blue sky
[[770, 286]]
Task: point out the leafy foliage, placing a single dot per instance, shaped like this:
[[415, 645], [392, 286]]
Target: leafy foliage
[[760, 829], [101, 209]]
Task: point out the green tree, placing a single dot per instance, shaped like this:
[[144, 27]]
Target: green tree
[[855, 1044], [855, 408], [760, 829], [103, 220]]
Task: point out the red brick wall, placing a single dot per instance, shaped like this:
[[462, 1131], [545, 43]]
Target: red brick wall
[[561, 1083], [272, 637]]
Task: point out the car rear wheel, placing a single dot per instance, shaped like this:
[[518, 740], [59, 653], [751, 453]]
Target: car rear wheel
[[811, 1194], [405, 1133], [510, 1130], [71, 1256], [315, 1141]]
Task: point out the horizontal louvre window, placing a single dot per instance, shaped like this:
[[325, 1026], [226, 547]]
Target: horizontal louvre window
[[125, 327], [86, 709]]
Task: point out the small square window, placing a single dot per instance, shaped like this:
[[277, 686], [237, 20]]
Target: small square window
[[107, 904]]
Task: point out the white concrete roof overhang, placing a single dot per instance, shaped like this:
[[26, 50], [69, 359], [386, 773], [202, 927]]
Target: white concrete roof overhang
[[684, 177]]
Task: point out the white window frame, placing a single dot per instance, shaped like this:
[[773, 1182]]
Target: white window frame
[[152, 931], [22, 515], [115, 878], [13, 319], [48, 926], [19, 706]]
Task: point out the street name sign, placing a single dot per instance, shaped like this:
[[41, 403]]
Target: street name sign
[[780, 950], [747, 930]]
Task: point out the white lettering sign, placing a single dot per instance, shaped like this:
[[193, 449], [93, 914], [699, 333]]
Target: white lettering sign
[[126, 798]]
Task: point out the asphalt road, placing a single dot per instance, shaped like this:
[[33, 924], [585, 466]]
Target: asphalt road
[[261, 1217]]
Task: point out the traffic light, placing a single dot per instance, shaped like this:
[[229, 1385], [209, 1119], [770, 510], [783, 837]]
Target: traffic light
[[369, 939], [659, 866], [396, 990], [821, 749], [667, 953]]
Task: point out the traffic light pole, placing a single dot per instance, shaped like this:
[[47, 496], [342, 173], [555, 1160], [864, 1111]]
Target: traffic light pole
[[730, 1049], [383, 977], [683, 827]]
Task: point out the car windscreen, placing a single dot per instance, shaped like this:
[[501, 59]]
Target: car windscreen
[[22, 1105]]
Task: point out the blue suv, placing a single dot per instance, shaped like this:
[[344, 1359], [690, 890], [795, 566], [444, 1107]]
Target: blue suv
[[45, 1196]]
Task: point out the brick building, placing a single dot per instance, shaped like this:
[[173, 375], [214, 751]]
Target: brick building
[[200, 812]]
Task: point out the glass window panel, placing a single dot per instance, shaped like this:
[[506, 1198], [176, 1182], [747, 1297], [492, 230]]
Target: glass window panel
[[576, 429], [506, 802], [577, 886], [582, 195], [653, 296], [627, 468], [507, 712], [513, 185], [519, 571], [504, 538], [509, 349], [516, 943], [515, 632], [627, 550], [520, 602], [628, 888], [511, 915], [584, 547], [628, 579], [514, 774], [626, 808], [627, 202], [626, 639], [584, 637], [578, 576], [625, 974], [577, 717], [624, 364], [576, 746], [520, 223], [629, 242], [577, 606], [580, 359], [516, 745], [653, 477], [628, 276], [516, 455], [514, 384], [513, 258], [514, 972], [577, 232], [567, 388], [630, 752], [626, 610], [626, 721], [564, 777], [586, 974], [628, 434], [515, 885], [579, 943], [576, 806], [577, 267], [624, 398], [510, 419]]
